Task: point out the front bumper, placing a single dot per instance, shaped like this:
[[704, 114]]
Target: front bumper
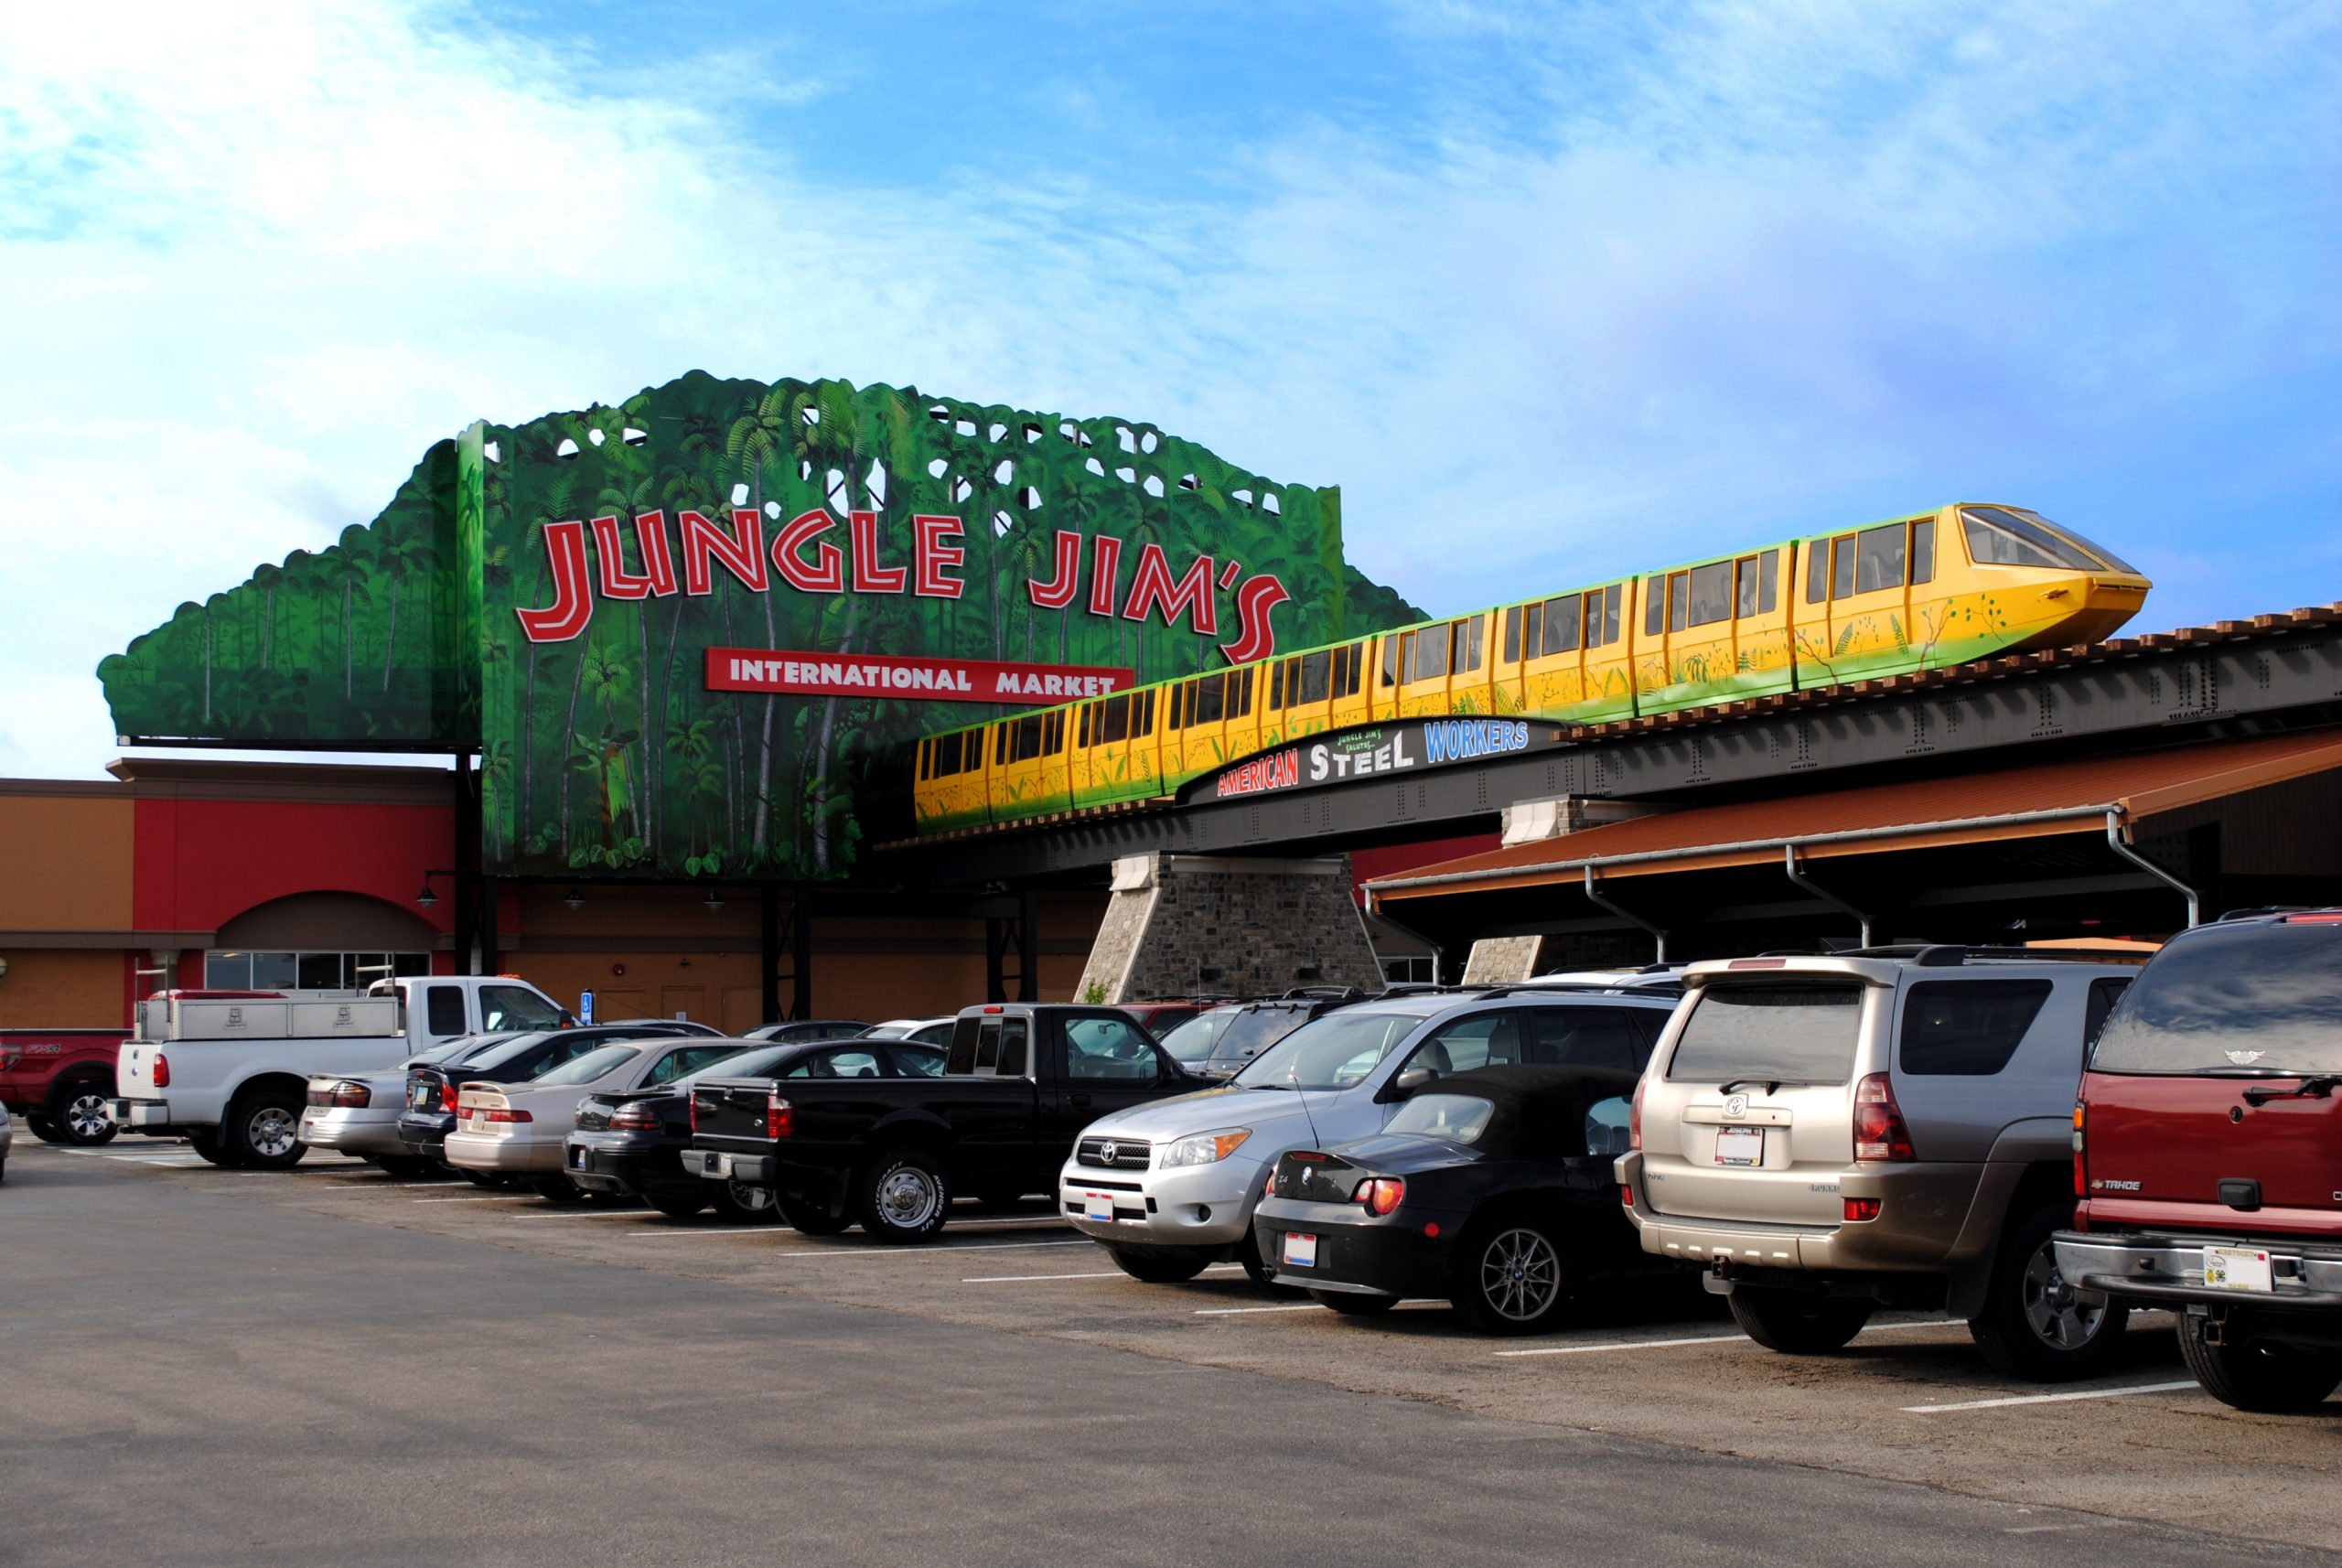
[[1389, 1256], [139, 1115], [717, 1164], [2164, 1271], [480, 1152], [1189, 1206], [351, 1131]]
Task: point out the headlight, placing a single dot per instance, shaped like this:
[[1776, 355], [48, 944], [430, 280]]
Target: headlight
[[1204, 1148]]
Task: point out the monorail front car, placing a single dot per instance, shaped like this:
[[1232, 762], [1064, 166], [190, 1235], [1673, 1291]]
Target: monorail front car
[[1961, 583]]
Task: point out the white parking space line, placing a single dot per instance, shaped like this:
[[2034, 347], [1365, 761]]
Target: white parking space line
[[861, 1252], [1104, 1275], [2048, 1399], [1702, 1339], [178, 1161], [1240, 1311], [492, 1198]]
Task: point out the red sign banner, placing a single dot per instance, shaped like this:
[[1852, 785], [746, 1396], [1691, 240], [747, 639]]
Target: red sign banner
[[937, 679]]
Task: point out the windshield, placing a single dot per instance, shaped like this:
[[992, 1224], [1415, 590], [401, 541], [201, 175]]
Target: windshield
[[2088, 546], [2236, 999], [1459, 1118], [1787, 1034], [461, 1049], [591, 1066], [1192, 1041], [1250, 1031], [895, 1030], [2000, 537], [1332, 1052]]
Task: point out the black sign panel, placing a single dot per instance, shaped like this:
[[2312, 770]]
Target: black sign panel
[[1367, 751]]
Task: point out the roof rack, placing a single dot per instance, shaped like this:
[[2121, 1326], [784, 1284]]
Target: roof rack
[[1321, 993], [1952, 955], [1572, 988], [2261, 912]]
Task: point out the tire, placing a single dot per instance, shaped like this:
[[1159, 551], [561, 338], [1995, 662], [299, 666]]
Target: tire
[[209, 1149], [262, 1132], [804, 1215], [4, 1167], [675, 1205], [1512, 1276], [2276, 1379], [903, 1195], [1257, 1270], [41, 1127], [1160, 1268], [78, 1112], [1797, 1324], [2035, 1326], [558, 1190], [1352, 1305]]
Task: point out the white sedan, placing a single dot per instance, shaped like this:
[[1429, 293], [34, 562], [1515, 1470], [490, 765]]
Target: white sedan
[[517, 1129], [919, 1031]]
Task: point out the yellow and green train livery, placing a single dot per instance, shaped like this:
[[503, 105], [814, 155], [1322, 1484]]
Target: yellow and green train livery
[[1941, 587]]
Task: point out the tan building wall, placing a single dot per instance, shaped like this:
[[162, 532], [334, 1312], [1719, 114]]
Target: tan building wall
[[67, 851], [62, 988]]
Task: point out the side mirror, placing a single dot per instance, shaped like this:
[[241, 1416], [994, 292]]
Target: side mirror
[[1412, 1079]]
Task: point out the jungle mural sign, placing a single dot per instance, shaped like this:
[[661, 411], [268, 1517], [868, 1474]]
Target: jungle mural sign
[[566, 597]]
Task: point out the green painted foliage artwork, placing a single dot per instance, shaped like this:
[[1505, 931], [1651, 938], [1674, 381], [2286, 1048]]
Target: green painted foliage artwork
[[604, 752]]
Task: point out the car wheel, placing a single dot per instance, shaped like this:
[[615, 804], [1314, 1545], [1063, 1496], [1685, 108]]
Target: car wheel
[[1349, 1304], [2277, 1380], [43, 1128], [558, 1189], [805, 1216], [1258, 1270], [78, 1112], [209, 1149], [903, 1195], [1160, 1268], [1512, 1277], [1795, 1323], [2035, 1323], [676, 1205], [263, 1131]]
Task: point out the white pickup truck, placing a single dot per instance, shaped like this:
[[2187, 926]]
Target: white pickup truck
[[229, 1071]]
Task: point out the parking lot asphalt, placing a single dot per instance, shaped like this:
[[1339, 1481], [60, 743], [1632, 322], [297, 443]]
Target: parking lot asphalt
[[209, 1366]]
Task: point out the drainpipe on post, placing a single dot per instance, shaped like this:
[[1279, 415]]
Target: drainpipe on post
[[1788, 863], [2114, 842], [1659, 934]]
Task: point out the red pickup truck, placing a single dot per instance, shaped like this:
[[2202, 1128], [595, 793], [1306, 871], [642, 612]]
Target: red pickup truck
[[59, 1080], [2207, 1156]]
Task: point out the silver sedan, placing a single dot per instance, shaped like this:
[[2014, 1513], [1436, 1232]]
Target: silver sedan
[[359, 1113]]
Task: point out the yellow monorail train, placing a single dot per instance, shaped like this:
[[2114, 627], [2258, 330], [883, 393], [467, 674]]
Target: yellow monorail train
[[1960, 583]]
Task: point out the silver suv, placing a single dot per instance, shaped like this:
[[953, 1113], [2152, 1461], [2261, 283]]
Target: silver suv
[[1890, 1127]]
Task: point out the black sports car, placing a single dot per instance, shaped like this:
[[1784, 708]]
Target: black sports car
[[631, 1145], [1492, 1188]]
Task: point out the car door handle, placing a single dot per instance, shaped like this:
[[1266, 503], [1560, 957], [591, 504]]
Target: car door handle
[[1077, 1101]]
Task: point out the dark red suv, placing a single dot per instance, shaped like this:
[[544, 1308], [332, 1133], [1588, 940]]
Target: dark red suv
[[59, 1080], [2207, 1156]]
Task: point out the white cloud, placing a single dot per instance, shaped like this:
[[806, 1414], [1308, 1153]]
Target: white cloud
[[1769, 266]]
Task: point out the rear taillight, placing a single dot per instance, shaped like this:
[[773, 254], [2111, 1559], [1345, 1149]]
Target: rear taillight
[[1626, 1194], [694, 1112], [1861, 1208], [1380, 1195], [635, 1118], [162, 1070], [504, 1115], [1635, 1118], [780, 1118], [1879, 1132], [2081, 1162], [1270, 1191], [350, 1095]]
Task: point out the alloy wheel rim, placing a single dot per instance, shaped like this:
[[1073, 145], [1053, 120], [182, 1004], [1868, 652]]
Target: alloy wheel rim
[[85, 1115], [1520, 1275], [908, 1197], [2061, 1316], [755, 1200], [270, 1134]]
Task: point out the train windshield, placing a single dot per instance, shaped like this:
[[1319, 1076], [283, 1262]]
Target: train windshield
[[2012, 536]]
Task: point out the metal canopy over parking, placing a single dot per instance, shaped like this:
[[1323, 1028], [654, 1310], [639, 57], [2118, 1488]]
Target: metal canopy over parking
[[2146, 841]]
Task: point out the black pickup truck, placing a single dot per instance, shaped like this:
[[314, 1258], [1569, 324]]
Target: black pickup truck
[[1020, 1082]]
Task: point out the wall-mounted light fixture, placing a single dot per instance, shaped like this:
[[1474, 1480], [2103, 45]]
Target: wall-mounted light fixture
[[574, 899]]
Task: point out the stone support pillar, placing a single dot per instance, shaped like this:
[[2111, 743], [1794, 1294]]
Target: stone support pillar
[[1181, 924]]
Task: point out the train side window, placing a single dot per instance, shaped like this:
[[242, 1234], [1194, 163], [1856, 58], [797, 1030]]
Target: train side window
[[1923, 551], [1182, 699], [946, 759], [1088, 724], [1561, 624], [1350, 669], [1406, 656], [1114, 719], [1024, 737], [999, 745], [1768, 582], [1842, 566], [923, 761], [1744, 602], [1613, 600], [1430, 652], [1512, 635], [1053, 732], [1391, 661], [1711, 592], [1276, 685], [1316, 675], [1209, 701], [1145, 703], [1654, 605], [1816, 570], [1241, 682], [1469, 635], [1679, 600], [1533, 620], [1878, 558]]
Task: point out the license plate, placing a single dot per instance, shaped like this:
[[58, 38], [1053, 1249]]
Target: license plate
[[1097, 1205], [1300, 1250], [577, 1158], [418, 1097], [1740, 1147], [2238, 1268]]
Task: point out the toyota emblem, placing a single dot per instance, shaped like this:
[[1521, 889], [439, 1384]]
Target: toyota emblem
[[1107, 1153], [1736, 1106]]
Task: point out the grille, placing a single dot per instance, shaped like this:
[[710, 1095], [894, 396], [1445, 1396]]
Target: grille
[[1127, 1153]]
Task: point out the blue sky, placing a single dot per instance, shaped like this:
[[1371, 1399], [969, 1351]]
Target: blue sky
[[1552, 291]]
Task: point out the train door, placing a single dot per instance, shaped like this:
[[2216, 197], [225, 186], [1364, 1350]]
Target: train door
[[1607, 656], [1760, 624], [1144, 749], [1471, 680], [1870, 611], [1931, 594], [1427, 660], [1347, 699], [1241, 731], [1542, 641]]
